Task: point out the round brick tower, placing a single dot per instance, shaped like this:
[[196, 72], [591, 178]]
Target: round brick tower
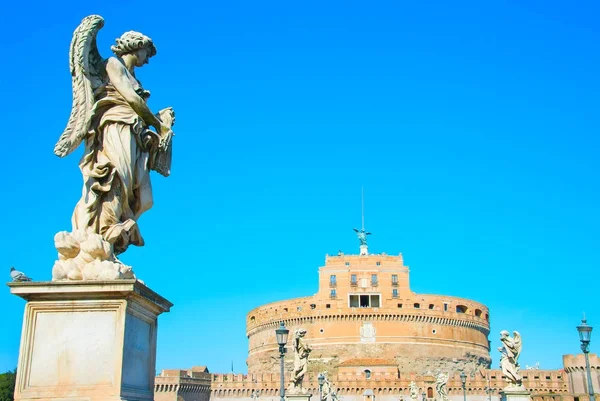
[[365, 309]]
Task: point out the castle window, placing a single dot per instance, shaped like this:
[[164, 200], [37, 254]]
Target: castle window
[[365, 301], [353, 279], [395, 293], [347, 263], [299, 308], [394, 279], [328, 306], [417, 306], [547, 377], [332, 280], [332, 294], [429, 392], [487, 317], [373, 279], [399, 305], [378, 263], [312, 306], [478, 312], [445, 307], [367, 374], [461, 309], [431, 306]]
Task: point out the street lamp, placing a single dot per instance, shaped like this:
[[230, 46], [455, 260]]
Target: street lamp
[[585, 335], [488, 389], [282, 335], [463, 379], [321, 379]]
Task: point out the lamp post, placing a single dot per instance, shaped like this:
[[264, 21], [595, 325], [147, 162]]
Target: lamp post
[[424, 395], [321, 379], [463, 379], [585, 335], [282, 335], [489, 390]]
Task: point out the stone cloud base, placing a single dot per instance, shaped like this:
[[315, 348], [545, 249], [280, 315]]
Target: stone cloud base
[[88, 340]]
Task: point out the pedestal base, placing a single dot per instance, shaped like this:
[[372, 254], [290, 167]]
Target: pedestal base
[[298, 397], [88, 340], [515, 394]]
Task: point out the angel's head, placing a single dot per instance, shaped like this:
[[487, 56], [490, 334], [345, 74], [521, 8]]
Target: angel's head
[[136, 45], [504, 334]]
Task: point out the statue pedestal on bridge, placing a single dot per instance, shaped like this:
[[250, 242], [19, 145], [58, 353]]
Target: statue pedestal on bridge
[[517, 393], [297, 397], [88, 340]]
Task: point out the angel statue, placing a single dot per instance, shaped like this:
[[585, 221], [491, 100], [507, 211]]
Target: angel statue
[[414, 391], [441, 379], [301, 352], [110, 116], [509, 360], [362, 236], [328, 392]]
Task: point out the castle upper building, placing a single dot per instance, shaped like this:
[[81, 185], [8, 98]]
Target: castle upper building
[[365, 310]]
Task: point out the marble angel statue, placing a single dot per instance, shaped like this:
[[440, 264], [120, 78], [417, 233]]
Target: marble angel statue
[[441, 380], [414, 391], [301, 352], [328, 392], [110, 116], [509, 360]]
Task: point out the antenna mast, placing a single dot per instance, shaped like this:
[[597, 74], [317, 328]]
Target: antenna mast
[[362, 190]]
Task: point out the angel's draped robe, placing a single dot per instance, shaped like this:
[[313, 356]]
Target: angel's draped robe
[[116, 177]]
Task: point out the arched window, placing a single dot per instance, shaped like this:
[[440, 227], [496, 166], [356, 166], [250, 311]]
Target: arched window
[[461, 309], [367, 374], [478, 312], [429, 392]]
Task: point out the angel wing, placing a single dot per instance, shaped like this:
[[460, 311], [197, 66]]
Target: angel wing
[[518, 344], [87, 74]]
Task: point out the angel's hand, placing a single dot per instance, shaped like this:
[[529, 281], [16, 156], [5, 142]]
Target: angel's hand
[[165, 137]]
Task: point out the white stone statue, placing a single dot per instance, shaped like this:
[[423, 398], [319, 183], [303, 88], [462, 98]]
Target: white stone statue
[[441, 379], [414, 391], [110, 116], [328, 392], [301, 352], [509, 360]]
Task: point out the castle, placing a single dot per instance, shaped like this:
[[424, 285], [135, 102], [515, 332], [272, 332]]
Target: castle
[[373, 336], [365, 309]]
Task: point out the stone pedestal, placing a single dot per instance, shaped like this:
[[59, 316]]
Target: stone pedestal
[[88, 340], [297, 397], [519, 393], [364, 250]]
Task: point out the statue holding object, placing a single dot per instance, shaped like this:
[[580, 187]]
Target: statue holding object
[[509, 360], [111, 117], [301, 353]]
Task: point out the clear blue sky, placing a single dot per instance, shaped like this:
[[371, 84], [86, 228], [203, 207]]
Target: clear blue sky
[[473, 127]]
